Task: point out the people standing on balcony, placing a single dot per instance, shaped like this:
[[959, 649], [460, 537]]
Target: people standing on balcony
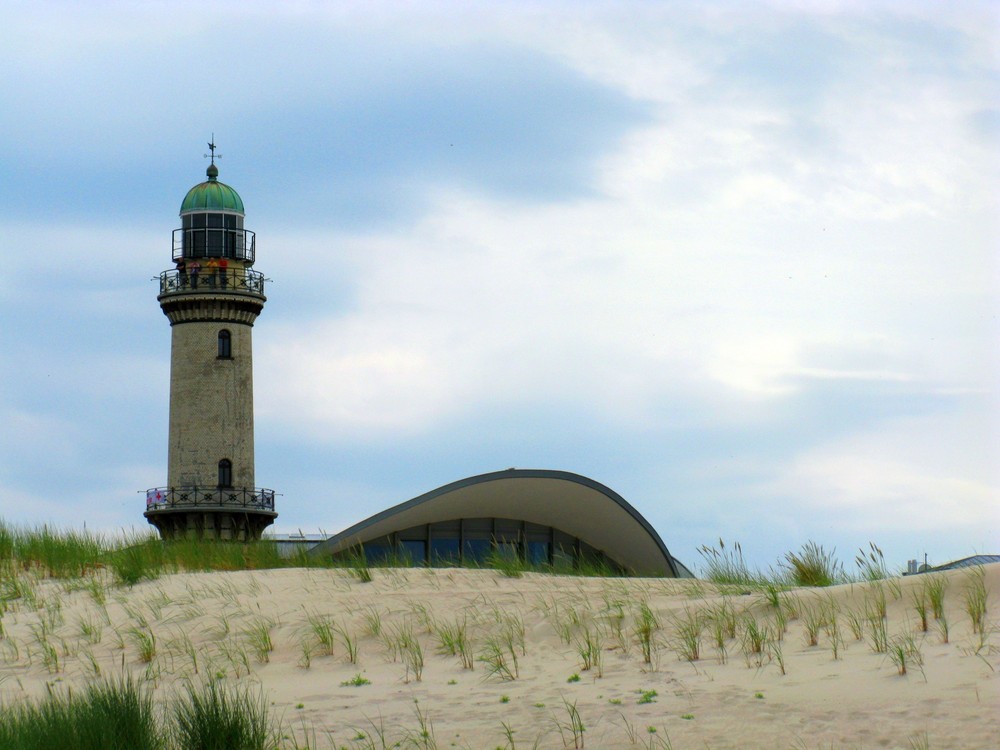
[[223, 269], [213, 268], [182, 277], [194, 268]]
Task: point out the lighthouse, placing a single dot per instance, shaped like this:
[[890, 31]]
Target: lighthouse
[[212, 298]]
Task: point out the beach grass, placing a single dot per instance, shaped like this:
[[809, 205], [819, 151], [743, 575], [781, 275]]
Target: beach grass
[[134, 557], [725, 565], [138, 556], [112, 715], [219, 717], [813, 566], [55, 553]]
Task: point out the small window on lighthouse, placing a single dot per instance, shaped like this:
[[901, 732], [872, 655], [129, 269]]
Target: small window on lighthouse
[[225, 473], [225, 345]]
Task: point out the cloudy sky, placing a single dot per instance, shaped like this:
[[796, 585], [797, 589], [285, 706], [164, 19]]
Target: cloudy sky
[[737, 261]]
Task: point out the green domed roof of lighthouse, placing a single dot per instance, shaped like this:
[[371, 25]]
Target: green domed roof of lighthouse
[[212, 195]]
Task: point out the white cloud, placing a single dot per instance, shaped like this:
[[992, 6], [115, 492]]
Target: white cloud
[[353, 377], [920, 475], [618, 301]]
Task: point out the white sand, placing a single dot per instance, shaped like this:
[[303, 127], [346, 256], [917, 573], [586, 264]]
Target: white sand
[[857, 700]]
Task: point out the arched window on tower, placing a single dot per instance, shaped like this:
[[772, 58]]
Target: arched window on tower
[[225, 345], [225, 473]]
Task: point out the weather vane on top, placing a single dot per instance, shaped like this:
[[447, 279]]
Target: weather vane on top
[[211, 147]]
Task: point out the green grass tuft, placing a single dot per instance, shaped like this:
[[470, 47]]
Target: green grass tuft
[[215, 717], [115, 715], [813, 566], [727, 566], [508, 564]]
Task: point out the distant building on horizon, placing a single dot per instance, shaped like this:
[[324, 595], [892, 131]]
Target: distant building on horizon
[[912, 568]]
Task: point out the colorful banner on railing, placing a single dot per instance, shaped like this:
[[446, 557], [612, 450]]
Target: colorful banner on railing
[[155, 497]]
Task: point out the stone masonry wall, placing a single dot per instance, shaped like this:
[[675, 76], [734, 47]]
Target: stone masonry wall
[[211, 405]]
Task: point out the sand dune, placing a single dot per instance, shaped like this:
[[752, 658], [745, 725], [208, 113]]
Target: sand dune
[[543, 629]]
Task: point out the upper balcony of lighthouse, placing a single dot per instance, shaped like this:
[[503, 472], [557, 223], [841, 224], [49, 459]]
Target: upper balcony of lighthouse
[[212, 223], [213, 250]]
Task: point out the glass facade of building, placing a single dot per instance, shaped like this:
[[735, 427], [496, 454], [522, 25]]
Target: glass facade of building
[[474, 541]]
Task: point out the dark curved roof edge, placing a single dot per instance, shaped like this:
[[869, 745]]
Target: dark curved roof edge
[[965, 562], [567, 476]]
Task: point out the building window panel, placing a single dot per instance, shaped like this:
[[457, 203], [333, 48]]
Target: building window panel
[[225, 345], [225, 473], [563, 558], [378, 552], [476, 551], [445, 550], [538, 553], [507, 530], [414, 551]]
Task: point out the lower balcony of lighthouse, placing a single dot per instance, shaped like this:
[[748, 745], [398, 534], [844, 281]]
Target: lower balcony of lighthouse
[[236, 280], [224, 514], [235, 295]]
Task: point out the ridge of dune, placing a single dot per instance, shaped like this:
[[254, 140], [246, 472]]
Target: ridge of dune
[[545, 628]]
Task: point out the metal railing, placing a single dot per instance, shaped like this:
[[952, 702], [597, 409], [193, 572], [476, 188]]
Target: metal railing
[[169, 498], [214, 243], [212, 280]]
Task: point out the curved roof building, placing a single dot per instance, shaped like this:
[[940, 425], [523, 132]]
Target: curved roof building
[[546, 518]]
